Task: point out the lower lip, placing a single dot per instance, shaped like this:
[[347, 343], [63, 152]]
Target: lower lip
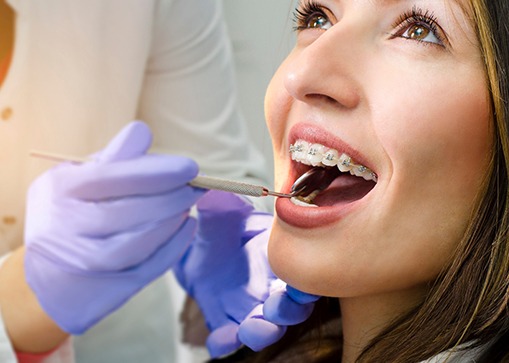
[[311, 217]]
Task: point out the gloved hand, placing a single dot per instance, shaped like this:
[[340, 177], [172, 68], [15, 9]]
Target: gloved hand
[[227, 272], [98, 232], [268, 321]]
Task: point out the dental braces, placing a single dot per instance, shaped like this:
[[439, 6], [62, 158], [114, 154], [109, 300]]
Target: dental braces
[[319, 155]]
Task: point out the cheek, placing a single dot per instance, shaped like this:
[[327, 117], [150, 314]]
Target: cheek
[[439, 148], [277, 107], [439, 140], [272, 116]]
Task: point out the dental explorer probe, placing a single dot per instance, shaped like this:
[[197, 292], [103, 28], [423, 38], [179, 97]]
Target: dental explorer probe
[[201, 181], [207, 182]]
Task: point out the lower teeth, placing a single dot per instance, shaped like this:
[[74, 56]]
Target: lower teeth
[[301, 202]]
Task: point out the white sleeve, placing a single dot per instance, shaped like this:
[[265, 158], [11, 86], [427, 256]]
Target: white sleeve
[[6, 351], [189, 97], [64, 354]]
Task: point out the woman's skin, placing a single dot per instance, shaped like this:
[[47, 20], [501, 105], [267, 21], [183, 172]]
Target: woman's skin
[[400, 87]]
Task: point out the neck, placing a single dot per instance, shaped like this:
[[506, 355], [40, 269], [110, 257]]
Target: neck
[[363, 318]]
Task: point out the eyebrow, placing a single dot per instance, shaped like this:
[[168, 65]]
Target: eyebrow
[[459, 3], [388, 1]]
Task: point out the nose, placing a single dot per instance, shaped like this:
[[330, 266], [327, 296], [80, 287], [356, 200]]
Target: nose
[[325, 70]]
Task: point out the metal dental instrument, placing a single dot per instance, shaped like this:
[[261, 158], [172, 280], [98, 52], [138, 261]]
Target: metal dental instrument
[[312, 182], [207, 182], [201, 181]]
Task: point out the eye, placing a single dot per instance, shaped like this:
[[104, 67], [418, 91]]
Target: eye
[[318, 21], [311, 15], [421, 26], [420, 32]]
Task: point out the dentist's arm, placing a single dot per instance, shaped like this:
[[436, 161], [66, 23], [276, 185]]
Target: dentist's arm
[[29, 328], [99, 232]]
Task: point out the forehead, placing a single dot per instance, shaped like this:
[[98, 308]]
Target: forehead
[[455, 16], [462, 4], [389, 2]]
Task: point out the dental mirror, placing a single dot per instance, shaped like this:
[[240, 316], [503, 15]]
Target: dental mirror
[[314, 181]]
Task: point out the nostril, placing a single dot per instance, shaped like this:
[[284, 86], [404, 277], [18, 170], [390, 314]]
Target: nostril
[[320, 97], [348, 100]]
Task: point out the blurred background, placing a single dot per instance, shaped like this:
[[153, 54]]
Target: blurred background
[[261, 34]]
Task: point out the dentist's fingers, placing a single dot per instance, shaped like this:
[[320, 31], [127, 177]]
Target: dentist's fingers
[[116, 251], [258, 333], [222, 219], [149, 174], [223, 340], [132, 141], [281, 309], [300, 296], [111, 216]]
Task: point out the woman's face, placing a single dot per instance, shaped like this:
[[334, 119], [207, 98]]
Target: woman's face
[[399, 88]]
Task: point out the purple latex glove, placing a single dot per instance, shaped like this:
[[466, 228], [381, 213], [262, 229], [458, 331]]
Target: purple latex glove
[[98, 232], [267, 322], [227, 272]]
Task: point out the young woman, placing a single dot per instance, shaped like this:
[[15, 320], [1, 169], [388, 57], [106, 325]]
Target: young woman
[[409, 100]]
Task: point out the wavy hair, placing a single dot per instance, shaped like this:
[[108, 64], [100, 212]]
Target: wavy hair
[[468, 304]]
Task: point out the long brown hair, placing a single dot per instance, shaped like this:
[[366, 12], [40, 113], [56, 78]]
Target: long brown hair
[[468, 302]]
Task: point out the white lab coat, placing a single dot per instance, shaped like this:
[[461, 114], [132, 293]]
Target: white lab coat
[[83, 69]]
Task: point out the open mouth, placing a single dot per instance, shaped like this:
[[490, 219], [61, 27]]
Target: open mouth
[[328, 178]]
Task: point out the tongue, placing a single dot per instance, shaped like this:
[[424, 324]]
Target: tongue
[[343, 190]]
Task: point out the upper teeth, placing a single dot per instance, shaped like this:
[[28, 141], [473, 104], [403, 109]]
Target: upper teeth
[[319, 155]]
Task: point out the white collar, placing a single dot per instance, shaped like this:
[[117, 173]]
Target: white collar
[[461, 354]]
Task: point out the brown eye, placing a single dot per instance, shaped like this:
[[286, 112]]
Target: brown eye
[[418, 32], [318, 21], [311, 16], [421, 26]]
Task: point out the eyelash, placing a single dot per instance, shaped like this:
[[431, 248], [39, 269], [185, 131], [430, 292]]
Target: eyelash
[[303, 14], [417, 16]]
